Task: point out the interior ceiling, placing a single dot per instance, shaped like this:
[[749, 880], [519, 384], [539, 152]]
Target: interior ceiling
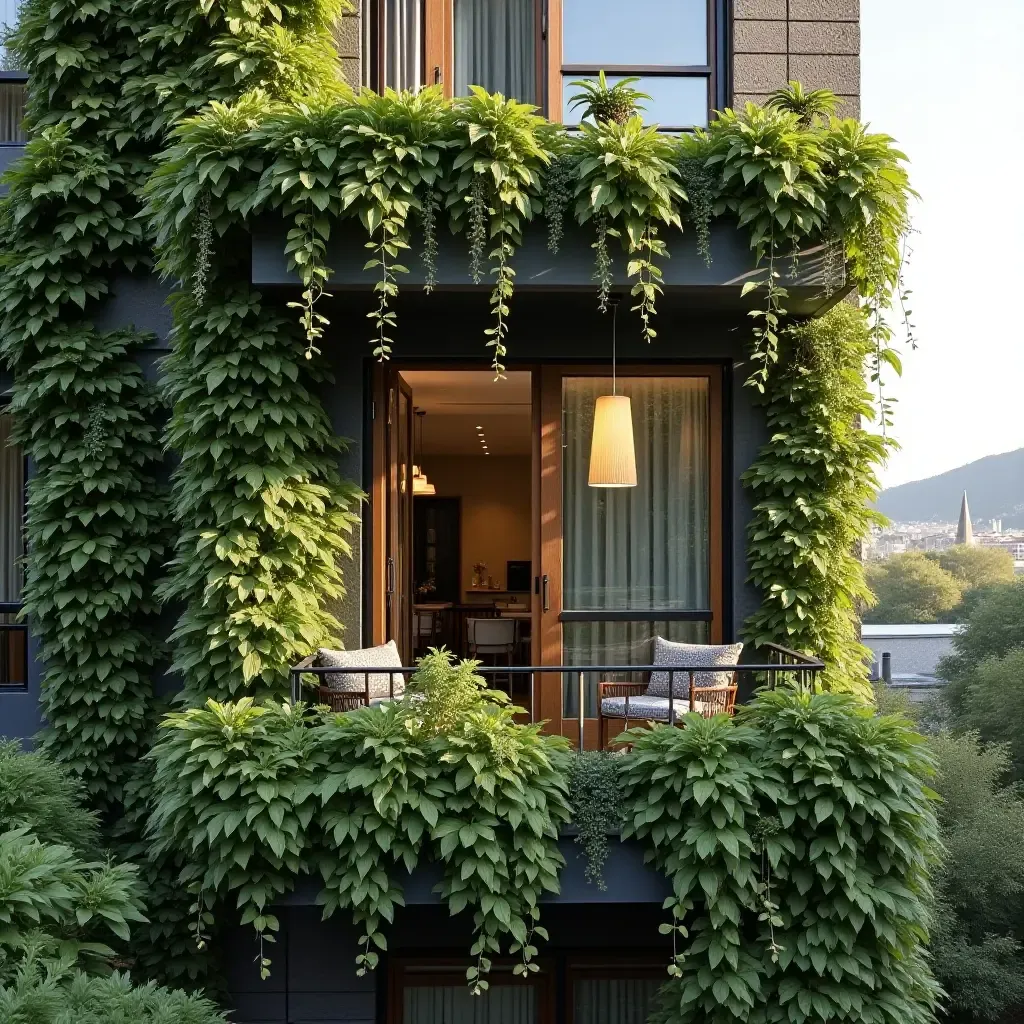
[[457, 402]]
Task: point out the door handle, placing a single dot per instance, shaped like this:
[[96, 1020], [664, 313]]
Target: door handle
[[437, 74], [545, 597], [391, 575]]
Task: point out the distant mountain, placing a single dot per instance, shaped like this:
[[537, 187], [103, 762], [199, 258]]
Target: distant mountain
[[994, 486]]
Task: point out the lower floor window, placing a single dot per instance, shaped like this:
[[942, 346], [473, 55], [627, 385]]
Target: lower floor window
[[13, 634], [615, 992]]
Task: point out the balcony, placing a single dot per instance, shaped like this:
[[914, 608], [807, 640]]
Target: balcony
[[604, 699]]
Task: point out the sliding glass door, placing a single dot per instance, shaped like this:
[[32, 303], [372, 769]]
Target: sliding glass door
[[624, 565]]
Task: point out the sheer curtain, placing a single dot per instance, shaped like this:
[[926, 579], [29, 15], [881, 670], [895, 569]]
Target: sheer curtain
[[403, 44], [614, 1000], [495, 47], [644, 548], [454, 1004]]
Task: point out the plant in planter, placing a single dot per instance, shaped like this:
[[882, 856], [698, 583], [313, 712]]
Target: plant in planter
[[596, 800], [603, 102]]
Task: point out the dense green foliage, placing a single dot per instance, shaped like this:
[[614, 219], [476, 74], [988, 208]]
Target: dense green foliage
[[484, 159], [64, 909], [812, 484], [935, 586], [979, 924], [993, 634], [975, 566], [911, 587], [799, 841], [253, 797], [49, 992], [595, 797]]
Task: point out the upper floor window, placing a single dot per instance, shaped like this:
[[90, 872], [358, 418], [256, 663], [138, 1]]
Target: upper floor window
[[667, 44], [534, 49]]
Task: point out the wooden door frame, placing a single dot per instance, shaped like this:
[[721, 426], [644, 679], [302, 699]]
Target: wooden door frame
[[548, 624], [382, 526], [375, 584]]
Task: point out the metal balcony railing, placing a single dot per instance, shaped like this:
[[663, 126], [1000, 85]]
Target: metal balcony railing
[[780, 664]]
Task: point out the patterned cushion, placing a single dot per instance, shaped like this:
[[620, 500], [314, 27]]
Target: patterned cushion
[[649, 709], [385, 656], [668, 653]]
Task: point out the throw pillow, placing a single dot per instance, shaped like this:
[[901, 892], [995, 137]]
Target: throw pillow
[[378, 684], [666, 652]]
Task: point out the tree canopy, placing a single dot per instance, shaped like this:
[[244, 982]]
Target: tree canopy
[[912, 588], [975, 566]]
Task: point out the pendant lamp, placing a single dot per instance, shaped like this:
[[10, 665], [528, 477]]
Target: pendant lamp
[[612, 454], [420, 483]]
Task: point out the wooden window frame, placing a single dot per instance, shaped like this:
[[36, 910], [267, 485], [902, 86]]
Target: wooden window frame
[[439, 45], [626, 968], [544, 980]]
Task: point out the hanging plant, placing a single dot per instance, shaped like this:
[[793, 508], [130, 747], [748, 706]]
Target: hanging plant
[[558, 195], [701, 185], [628, 177], [496, 190]]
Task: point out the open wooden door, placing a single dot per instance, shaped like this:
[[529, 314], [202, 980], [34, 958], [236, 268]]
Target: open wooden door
[[392, 499], [618, 567]]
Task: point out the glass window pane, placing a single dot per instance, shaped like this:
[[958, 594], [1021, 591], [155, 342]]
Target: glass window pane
[[675, 101], [495, 47], [13, 634], [644, 547], [601, 33], [614, 1000], [12, 112], [615, 643]]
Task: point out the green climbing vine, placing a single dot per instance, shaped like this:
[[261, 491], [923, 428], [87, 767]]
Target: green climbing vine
[[798, 840], [812, 486]]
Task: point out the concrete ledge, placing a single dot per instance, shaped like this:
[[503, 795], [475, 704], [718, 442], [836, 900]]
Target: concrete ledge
[[627, 877]]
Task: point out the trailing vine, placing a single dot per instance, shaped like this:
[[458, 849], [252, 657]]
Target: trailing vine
[[596, 802], [830, 803], [558, 194], [812, 486], [497, 175], [359, 795]]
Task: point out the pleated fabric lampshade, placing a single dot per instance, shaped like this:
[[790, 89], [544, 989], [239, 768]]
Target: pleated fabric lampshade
[[612, 456]]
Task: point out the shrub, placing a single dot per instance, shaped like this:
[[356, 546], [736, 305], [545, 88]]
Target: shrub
[[994, 627], [799, 840], [49, 992], [42, 796], [980, 882]]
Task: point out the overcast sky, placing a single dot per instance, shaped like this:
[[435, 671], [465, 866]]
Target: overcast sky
[[947, 80]]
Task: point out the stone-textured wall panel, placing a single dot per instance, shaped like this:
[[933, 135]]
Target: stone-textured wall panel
[[823, 37], [815, 42], [824, 10], [752, 9], [758, 72], [760, 37], [838, 72]]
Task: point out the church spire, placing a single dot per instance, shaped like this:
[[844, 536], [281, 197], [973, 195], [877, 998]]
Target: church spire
[[964, 530]]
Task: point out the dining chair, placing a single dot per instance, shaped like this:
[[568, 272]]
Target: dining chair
[[493, 638]]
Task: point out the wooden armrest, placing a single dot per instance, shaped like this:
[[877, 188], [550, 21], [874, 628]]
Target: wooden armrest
[[621, 690], [307, 662]]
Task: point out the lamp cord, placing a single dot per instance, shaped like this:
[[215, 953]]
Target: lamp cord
[[615, 313]]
